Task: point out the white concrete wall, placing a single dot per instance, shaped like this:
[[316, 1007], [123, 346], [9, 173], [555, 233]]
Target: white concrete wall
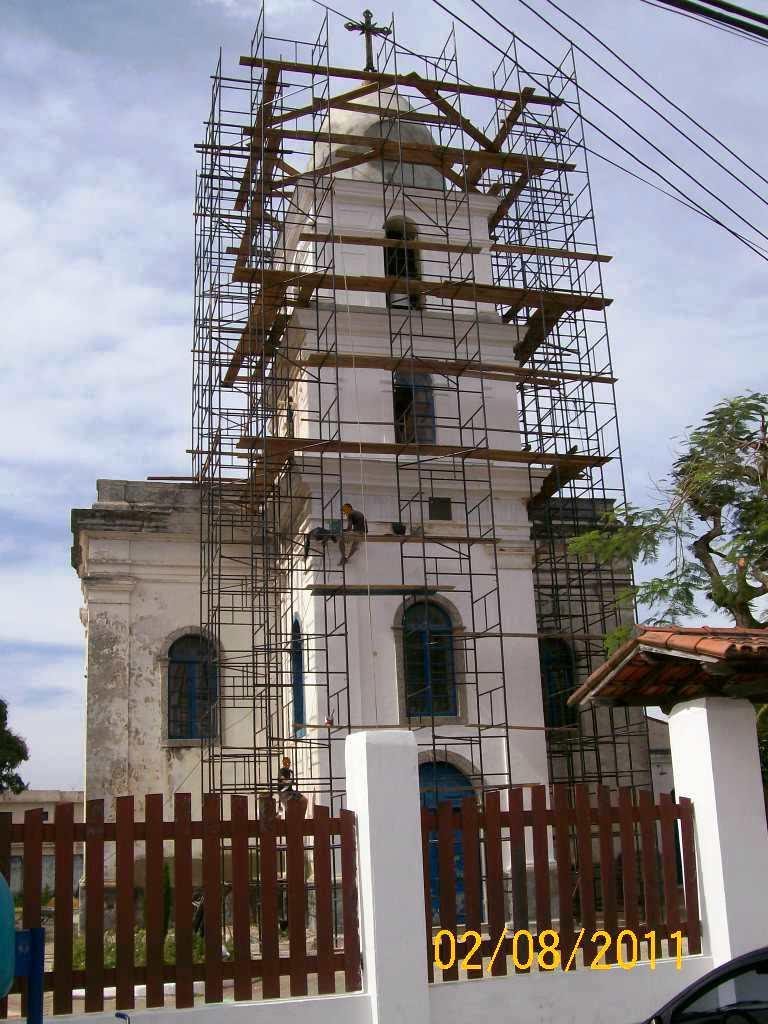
[[716, 763]]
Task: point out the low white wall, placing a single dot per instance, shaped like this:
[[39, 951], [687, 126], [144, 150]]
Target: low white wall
[[354, 1008], [614, 996]]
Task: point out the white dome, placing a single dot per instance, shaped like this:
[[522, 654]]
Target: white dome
[[376, 125]]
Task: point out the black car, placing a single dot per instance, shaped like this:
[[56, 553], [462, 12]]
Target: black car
[[735, 993]]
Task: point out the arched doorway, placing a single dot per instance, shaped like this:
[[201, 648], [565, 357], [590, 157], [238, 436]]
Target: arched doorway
[[441, 782]]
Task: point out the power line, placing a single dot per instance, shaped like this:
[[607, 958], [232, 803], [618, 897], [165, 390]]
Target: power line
[[723, 19], [623, 120], [666, 98], [703, 21], [734, 9], [700, 209]]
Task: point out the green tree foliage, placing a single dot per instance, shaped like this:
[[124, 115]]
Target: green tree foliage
[[713, 517], [13, 750]]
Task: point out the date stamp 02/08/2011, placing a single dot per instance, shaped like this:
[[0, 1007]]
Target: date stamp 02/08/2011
[[544, 950]]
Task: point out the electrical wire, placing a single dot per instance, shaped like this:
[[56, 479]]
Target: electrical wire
[[717, 18], [734, 9], [623, 120], [666, 98], [703, 21], [700, 209]]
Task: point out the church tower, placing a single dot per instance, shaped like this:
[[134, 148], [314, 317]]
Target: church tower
[[399, 312]]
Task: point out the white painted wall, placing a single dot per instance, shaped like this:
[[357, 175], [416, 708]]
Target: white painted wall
[[716, 763]]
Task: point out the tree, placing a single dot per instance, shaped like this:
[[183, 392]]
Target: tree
[[713, 514], [13, 750]]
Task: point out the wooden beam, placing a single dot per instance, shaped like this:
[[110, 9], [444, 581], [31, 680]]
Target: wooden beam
[[375, 589], [509, 122], [514, 115], [276, 448], [459, 290], [512, 194], [411, 116], [372, 153], [557, 477], [454, 116], [540, 325], [420, 245], [261, 319], [421, 152], [383, 79], [545, 250], [417, 244], [323, 104], [449, 367], [429, 538], [271, 85]]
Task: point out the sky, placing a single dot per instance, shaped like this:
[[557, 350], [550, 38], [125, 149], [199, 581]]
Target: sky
[[101, 103]]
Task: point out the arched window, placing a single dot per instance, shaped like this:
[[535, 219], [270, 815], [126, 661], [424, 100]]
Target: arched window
[[414, 408], [192, 689], [401, 261], [297, 678], [429, 669], [557, 680]]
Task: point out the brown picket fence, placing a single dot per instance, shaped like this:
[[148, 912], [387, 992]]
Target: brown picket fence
[[277, 899], [619, 863]]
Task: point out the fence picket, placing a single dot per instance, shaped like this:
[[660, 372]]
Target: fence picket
[[564, 871], [586, 869], [124, 905], [607, 868], [214, 989], [241, 916], [518, 870], [650, 867], [690, 885], [494, 872], [352, 965], [64, 820], [182, 894], [628, 860], [669, 862], [541, 858], [470, 832], [321, 862], [94, 905], [297, 898], [269, 932], [447, 874], [154, 897]]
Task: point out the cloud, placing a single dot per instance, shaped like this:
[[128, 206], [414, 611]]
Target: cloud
[[42, 685]]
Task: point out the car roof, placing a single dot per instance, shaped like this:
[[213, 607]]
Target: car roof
[[745, 960]]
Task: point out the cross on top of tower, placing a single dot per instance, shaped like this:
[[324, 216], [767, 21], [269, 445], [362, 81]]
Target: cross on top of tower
[[369, 29]]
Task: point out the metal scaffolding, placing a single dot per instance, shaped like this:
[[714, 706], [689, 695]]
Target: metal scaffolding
[[279, 439]]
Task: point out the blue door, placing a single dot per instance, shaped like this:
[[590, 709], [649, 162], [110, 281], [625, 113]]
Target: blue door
[[440, 782]]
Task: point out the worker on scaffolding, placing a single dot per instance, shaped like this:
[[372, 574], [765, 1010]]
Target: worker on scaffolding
[[353, 533], [319, 535], [286, 787]]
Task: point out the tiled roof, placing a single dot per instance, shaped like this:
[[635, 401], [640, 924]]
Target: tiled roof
[[662, 665]]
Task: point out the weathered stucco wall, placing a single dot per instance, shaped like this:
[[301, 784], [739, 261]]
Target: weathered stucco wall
[[137, 554]]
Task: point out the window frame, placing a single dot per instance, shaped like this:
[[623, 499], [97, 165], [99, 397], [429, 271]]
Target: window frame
[[167, 664], [565, 715], [402, 262], [298, 680], [408, 711], [419, 389]]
